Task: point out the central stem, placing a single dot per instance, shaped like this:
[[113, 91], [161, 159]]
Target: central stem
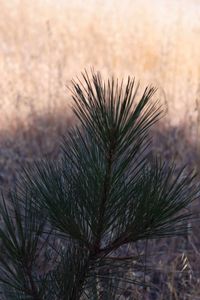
[[105, 193], [96, 248]]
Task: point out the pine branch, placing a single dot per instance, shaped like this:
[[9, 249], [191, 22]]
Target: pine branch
[[103, 194]]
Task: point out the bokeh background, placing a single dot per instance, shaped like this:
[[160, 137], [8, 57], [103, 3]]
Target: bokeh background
[[46, 43]]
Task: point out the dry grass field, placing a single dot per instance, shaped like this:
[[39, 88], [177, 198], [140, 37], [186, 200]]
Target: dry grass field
[[46, 43]]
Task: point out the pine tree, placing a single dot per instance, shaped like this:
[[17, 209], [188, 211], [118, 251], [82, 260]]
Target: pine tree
[[65, 226]]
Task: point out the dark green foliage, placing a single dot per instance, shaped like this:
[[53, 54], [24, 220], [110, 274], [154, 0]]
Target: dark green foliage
[[66, 220]]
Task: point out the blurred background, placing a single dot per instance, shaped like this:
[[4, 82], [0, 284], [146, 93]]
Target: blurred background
[[46, 43]]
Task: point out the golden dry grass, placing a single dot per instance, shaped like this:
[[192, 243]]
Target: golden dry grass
[[44, 44]]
